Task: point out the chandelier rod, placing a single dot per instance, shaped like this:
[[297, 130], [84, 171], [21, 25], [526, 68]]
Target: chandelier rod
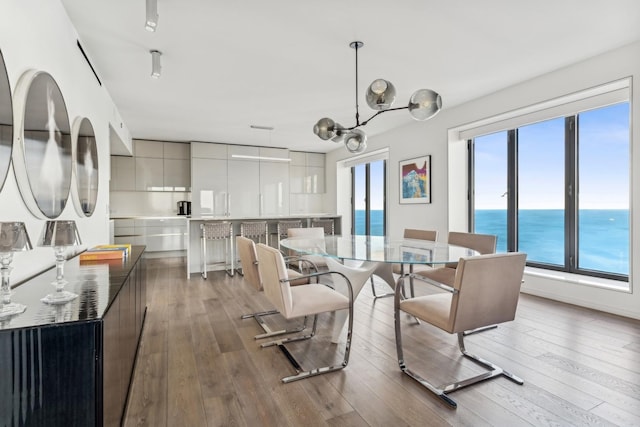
[[357, 45]]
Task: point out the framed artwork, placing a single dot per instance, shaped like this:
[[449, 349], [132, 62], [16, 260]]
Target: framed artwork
[[415, 180]]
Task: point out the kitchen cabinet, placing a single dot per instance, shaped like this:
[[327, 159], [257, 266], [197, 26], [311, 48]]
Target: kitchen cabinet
[[123, 174], [155, 166], [209, 196], [149, 174], [307, 173], [251, 182], [157, 234], [274, 182]]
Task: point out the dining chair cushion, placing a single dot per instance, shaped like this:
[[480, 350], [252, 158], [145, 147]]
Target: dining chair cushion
[[315, 298], [433, 309]]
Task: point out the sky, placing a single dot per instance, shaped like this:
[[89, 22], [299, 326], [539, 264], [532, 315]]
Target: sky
[[603, 163]]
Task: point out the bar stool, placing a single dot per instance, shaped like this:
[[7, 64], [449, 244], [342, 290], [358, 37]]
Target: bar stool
[[217, 231], [284, 226], [327, 224], [258, 231]]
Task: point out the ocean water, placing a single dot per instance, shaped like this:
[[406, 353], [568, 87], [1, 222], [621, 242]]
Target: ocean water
[[603, 241]]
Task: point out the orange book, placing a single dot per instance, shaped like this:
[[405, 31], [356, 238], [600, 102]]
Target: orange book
[[106, 254]]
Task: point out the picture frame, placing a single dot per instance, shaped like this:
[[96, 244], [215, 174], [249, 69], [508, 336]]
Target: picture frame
[[415, 180]]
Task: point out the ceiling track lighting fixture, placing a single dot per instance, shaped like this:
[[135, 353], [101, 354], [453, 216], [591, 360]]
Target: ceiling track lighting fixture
[[152, 15], [423, 105], [156, 67]]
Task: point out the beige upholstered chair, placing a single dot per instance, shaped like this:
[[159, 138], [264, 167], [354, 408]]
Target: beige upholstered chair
[[311, 233], [383, 269], [485, 292], [482, 243], [299, 301], [249, 260]]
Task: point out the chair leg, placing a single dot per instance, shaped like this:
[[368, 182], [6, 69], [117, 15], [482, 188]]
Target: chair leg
[[302, 374], [441, 392], [203, 252], [475, 331], [268, 333]]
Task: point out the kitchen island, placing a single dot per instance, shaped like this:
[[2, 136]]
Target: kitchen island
[[216, 252]]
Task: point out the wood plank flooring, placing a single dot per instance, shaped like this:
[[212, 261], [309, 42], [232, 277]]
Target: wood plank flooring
[[199, 365]]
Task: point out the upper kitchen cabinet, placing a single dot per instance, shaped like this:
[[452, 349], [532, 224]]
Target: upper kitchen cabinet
[[307, 172], [123, 174], [157, 166], [177, 167], [243, 180], [207, 150], [274, 181]]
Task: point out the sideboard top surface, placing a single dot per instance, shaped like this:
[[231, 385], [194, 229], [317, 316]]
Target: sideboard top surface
[[97, 283]]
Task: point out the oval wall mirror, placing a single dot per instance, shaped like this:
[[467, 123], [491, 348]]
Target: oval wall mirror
[[6, 123], [85, 161], [42, 158]]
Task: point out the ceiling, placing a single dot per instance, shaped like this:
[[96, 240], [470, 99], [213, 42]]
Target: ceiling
[[227, 65]]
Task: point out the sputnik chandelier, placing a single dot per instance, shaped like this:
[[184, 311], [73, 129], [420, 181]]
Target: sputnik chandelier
[[423, 105]]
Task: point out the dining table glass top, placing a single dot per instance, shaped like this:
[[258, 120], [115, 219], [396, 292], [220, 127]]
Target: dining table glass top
[[379, 249]]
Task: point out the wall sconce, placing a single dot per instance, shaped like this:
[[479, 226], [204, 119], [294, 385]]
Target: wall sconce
[[156, 67], [59, 235], [152, 15], [13, 238]]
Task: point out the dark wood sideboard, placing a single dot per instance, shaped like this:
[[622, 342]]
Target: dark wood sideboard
[[71, 365]]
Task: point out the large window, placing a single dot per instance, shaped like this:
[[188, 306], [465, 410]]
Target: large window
[[558, 190]]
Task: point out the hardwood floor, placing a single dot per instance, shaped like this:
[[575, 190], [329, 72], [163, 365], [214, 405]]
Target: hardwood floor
[[199, 365]]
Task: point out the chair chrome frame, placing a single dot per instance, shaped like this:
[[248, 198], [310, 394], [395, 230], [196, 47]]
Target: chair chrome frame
[[442, 391], [268, 332], [300, 372]]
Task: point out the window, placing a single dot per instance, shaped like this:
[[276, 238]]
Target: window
[[368, 192], [558, 189]]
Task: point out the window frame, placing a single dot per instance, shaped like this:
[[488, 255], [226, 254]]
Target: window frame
[[571, 207]]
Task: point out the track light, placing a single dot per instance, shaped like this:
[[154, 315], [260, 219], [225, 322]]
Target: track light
[[423, 105], [152, 15], [156, 68]]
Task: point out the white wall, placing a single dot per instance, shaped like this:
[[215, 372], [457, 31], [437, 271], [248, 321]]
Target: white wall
[[449, 173], [37, 34]]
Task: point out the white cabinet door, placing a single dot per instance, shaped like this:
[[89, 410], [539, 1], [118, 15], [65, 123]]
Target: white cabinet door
[[274, 188], [244, 188], [123, 173], [297, 179], [177, 175], [145, 148], [315, 159], [314, 180], [208, 150], [209, 196], [176, 150], [149, 174]]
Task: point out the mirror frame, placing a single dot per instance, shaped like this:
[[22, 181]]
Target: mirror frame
[[24, 149], [84, 207], [4, 82]]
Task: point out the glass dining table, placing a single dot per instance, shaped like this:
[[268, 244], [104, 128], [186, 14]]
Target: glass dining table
[[359, 256]]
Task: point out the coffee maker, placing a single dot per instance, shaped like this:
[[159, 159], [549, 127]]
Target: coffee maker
[[184, 207]]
